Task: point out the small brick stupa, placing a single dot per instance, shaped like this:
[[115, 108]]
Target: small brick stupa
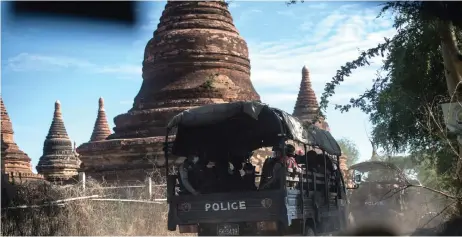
[[101, 129], [15, 163], [196, 57], [307, 109], [59, 161]]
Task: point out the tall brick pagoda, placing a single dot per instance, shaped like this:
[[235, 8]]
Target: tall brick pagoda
[[196, 57], [15, 163], [59, 161], [307, 108], [101, 129]]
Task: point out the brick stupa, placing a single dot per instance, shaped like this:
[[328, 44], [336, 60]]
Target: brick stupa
[[196, 57], [59, 161], [307, 109], [15, 163], [101, 129]]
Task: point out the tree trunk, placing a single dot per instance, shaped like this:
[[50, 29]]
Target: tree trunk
[[452, 62], [453, 72]]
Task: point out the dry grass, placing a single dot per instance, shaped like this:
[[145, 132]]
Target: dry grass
[[84, 217]]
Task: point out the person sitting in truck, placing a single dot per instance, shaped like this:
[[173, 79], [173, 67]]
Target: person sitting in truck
[[236, 180], [249, 176], [184, 170], [288, 161], [266, 170], [224, 173], [312, 161]]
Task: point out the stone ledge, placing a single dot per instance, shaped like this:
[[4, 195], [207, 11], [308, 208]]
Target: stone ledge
[[119, 144], [23, 177]]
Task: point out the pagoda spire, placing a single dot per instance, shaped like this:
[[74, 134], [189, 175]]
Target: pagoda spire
[[306, 107], [13, 159], [57, 128], [101, 129], [58, 161]]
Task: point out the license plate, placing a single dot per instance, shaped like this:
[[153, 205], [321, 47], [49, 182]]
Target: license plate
[[227, 229]]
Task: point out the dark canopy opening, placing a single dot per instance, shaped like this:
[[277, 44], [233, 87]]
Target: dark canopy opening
[[235, 129], [236, 135]]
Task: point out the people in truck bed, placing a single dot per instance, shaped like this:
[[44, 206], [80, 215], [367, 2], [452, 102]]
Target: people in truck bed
[[249, 176], [185, 171], [313, 164], [289, 159], [278, 165]]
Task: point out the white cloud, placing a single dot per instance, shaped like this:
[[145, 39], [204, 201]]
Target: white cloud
[[246, 16], [233, 5], [278, 64], [37, 62], [122, 69], [324, 45]]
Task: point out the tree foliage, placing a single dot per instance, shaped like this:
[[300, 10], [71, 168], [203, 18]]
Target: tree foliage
[[350, 149], [403, 101]]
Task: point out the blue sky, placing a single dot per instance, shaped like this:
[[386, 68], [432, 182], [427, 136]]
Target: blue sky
[[77, 62]]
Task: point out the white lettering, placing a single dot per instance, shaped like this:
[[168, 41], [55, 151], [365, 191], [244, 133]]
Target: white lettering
[[226, 206], [242, 205]]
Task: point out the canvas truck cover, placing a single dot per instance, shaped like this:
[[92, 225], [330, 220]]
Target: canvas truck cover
[[209, 115]]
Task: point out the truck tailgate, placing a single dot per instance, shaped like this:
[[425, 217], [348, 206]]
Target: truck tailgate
[[229, 207]]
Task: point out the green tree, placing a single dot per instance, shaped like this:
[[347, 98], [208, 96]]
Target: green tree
[[403, 102], [350, 149]]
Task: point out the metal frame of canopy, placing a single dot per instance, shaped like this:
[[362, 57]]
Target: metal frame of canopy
[[289, 126]]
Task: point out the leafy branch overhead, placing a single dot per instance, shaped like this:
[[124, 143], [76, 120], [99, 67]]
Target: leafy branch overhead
[[421, 69], [413, 20], [403, 99]]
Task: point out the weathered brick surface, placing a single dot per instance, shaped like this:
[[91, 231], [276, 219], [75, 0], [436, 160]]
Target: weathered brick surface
[[59, 161], [14, 161], [101, 129], [306, 106], [196, 57], [307, 109]]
